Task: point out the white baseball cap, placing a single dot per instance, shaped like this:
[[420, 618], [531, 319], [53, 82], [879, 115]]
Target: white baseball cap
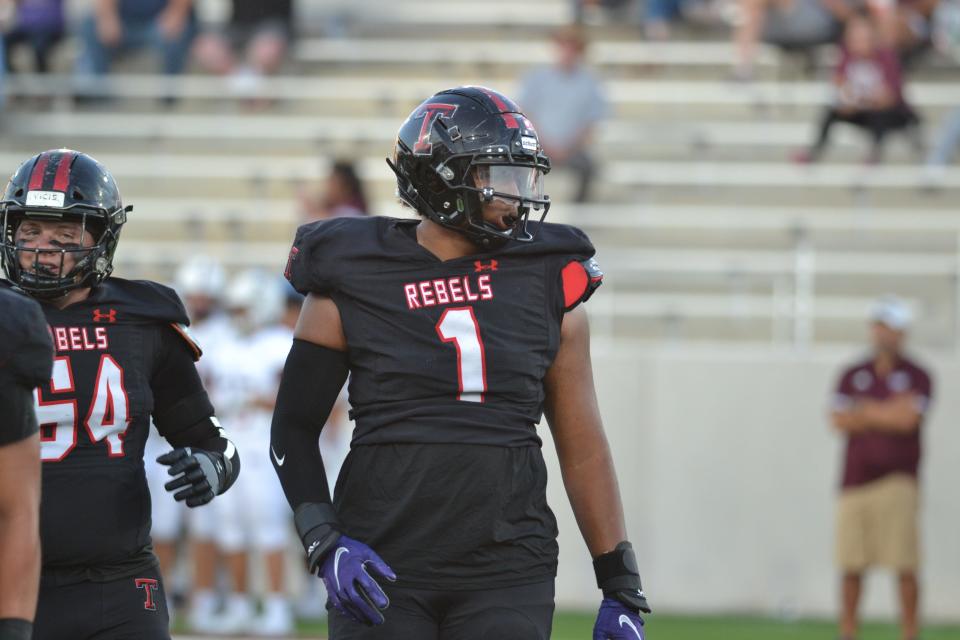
[[893, 312]]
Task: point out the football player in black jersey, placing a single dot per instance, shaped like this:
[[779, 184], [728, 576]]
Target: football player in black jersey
[[122, 354], [459, 331], [26, 356]]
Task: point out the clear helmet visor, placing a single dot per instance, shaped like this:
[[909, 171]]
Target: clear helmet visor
[[509, 182]]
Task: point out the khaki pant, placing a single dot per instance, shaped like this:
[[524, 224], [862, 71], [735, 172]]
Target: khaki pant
[[877, 525]]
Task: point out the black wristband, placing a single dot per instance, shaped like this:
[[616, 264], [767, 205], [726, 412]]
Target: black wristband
[[15, 629], [619, 577], [319, 530]]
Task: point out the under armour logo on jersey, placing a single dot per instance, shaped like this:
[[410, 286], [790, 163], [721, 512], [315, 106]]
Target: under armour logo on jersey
[[479, 266], [109, 316], [149, 585]]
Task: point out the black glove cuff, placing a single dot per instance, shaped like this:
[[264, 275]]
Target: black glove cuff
[[15, 629], [619, 577], [319, 530]]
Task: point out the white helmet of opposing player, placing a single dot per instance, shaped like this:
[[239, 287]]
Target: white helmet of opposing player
[[255, 298], [201, 276]]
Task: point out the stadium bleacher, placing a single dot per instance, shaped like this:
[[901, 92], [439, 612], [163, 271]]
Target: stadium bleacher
[[705, 227]]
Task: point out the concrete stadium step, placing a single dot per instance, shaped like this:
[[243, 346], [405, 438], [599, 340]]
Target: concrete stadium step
[[216, 174], [399, 92], [617, 138]]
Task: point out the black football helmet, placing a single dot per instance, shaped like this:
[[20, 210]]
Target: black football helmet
[[464, 148], [57, 185]]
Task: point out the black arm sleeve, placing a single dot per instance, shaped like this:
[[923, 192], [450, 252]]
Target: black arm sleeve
[[312, 379], [182, 410]]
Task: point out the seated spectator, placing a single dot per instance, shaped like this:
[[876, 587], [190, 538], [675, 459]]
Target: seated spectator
[[868, 91], [790, 24], [342, 195], [117, 26], [251, 45], [946, 38], [39, 24], [565, 101]]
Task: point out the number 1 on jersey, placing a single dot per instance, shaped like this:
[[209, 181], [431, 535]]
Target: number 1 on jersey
[[459, 326]]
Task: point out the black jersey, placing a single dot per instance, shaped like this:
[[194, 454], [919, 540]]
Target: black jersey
[[444, 354], [444, 351], [26, 357], [111, 354]]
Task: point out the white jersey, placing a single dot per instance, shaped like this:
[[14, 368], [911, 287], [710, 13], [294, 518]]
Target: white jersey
[[246, 376], [212, 335]]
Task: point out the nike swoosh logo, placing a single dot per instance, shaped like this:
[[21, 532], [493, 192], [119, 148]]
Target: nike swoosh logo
[[277, 458], [336, 564], [624, 620]]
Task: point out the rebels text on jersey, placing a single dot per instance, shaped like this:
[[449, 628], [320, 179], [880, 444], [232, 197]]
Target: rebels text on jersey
[[444, 351], [110, 356]]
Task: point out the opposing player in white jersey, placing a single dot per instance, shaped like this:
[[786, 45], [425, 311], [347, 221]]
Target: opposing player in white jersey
[[245, 379], [200, 282]]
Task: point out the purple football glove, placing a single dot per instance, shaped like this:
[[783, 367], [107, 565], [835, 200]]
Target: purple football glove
[[350, 587], [616, 622]]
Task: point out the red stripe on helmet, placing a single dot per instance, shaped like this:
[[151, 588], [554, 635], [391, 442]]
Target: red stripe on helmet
[[508, 118], [61, 181], [36, 176]]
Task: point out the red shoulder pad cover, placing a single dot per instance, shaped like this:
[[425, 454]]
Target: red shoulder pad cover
[[580, 280], [184, 333]]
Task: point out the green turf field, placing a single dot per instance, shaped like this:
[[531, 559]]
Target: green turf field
[[578, 626], [571, 626]]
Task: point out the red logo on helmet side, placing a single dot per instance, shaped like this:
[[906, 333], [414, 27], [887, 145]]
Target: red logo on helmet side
[[430, 113]]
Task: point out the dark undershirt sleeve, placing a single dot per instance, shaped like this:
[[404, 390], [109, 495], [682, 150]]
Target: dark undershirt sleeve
[[181, 409], [312, 379]]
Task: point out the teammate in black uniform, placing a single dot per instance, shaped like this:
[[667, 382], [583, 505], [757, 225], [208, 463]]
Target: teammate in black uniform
[[122, 355], [458, 330], [26, 356]]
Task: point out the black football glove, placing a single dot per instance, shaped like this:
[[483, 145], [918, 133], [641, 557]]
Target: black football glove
[[199, 474]]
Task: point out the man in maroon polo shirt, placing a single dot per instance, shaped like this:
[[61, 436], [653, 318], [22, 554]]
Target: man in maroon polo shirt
[[880, 405]]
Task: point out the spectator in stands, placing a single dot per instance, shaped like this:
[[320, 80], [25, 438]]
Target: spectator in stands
[[946, 39], [342, 195], [116, 26], [942, 153], [879, 407], [566, 101], [250, 46], [39, 24], [906, 25], [789, 24], [868, 92]]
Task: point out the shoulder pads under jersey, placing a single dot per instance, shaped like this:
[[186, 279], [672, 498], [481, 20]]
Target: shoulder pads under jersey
[[139, 301], [580, 279], [322, 250]]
